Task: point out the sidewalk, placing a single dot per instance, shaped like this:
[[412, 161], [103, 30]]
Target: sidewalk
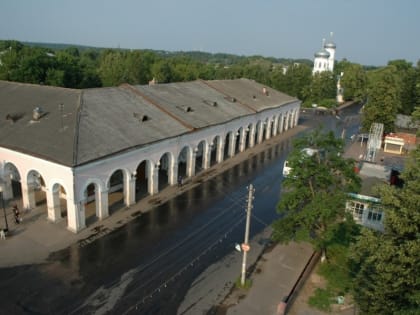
[[273, 270], [275, 275]]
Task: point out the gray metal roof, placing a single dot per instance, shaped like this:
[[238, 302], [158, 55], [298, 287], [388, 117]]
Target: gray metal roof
[[330, 45], [95, 123], [45, 138], [322, 54]]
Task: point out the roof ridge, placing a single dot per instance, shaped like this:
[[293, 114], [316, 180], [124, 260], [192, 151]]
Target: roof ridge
[[77, 129], [138, 93]]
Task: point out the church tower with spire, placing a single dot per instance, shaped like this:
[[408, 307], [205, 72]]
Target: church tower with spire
[[324, 59], [330, 47]]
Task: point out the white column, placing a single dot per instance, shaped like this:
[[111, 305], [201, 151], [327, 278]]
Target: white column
[[275, 126], [260, 133], [292, 119], [281, 123], [53, 205], [242, 138], [252, 136], [102, 204], [232, 142], [268, 130], [130, 190], [173, 174], [206, 156], [76, 218], [154, 179], [191, 163], [297, 116], [286, 123], [220, 151], [28, 195]]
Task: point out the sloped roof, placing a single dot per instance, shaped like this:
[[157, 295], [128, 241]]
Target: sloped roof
[[94, 123], [46, 137]]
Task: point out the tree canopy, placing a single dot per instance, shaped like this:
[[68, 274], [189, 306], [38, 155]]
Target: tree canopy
[[313, 202], [384, 100], [386, 265]]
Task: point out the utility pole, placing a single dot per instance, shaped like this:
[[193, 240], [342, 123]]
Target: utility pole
[[61, 108], [245, 246]]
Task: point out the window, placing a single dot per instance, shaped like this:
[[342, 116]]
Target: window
[[375, 214], [356, 209]]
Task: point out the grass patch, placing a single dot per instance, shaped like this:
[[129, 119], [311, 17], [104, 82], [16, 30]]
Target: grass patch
[[246, 286], [321, 299], [335, 270]]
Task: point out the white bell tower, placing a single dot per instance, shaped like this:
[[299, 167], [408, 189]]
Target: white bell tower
[[321, 60], [330, 47]]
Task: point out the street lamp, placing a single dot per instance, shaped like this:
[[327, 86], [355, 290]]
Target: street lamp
[[4, 210]]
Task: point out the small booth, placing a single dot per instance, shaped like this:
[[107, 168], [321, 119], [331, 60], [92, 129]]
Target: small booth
[[393, 144]]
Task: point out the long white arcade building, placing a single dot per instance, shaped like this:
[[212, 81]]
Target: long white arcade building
[[65, 148]]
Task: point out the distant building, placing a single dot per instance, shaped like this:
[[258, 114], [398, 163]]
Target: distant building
[[78, 153], [324, 59]]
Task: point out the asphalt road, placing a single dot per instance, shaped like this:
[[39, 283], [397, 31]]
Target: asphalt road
[[148, 265]]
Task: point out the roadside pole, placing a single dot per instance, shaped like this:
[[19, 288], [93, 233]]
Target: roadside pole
[[245, 246]]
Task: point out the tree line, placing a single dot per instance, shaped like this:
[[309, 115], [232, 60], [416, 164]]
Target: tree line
[[385, 91]]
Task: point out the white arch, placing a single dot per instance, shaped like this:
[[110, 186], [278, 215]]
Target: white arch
[[126, 173], [98, 183], [53, 201], [10, 173]]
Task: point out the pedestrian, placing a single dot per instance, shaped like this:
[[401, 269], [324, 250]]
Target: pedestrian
[[16, 210], [179, 181], [2, 234]]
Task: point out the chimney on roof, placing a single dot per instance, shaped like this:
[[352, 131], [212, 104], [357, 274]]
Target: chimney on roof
[[265, 91]]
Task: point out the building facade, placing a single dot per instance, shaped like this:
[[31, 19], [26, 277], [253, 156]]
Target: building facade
[[70, 150], [324, 59], [366, 211]]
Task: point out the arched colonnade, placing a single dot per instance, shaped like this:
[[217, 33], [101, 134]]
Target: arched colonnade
[[93, 192]]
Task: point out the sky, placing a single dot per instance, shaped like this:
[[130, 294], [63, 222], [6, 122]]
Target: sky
[[369, 32]]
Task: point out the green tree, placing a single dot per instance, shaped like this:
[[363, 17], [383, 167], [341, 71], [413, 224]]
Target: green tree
[[384, 100], [67, 62], [386, 265], [162, 71], [10, 58], [322, 89], [55, 77], [139, 66], [296, 78], [313, 203], [407, 75], [89, 63], [112, 69], [354, 82]]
